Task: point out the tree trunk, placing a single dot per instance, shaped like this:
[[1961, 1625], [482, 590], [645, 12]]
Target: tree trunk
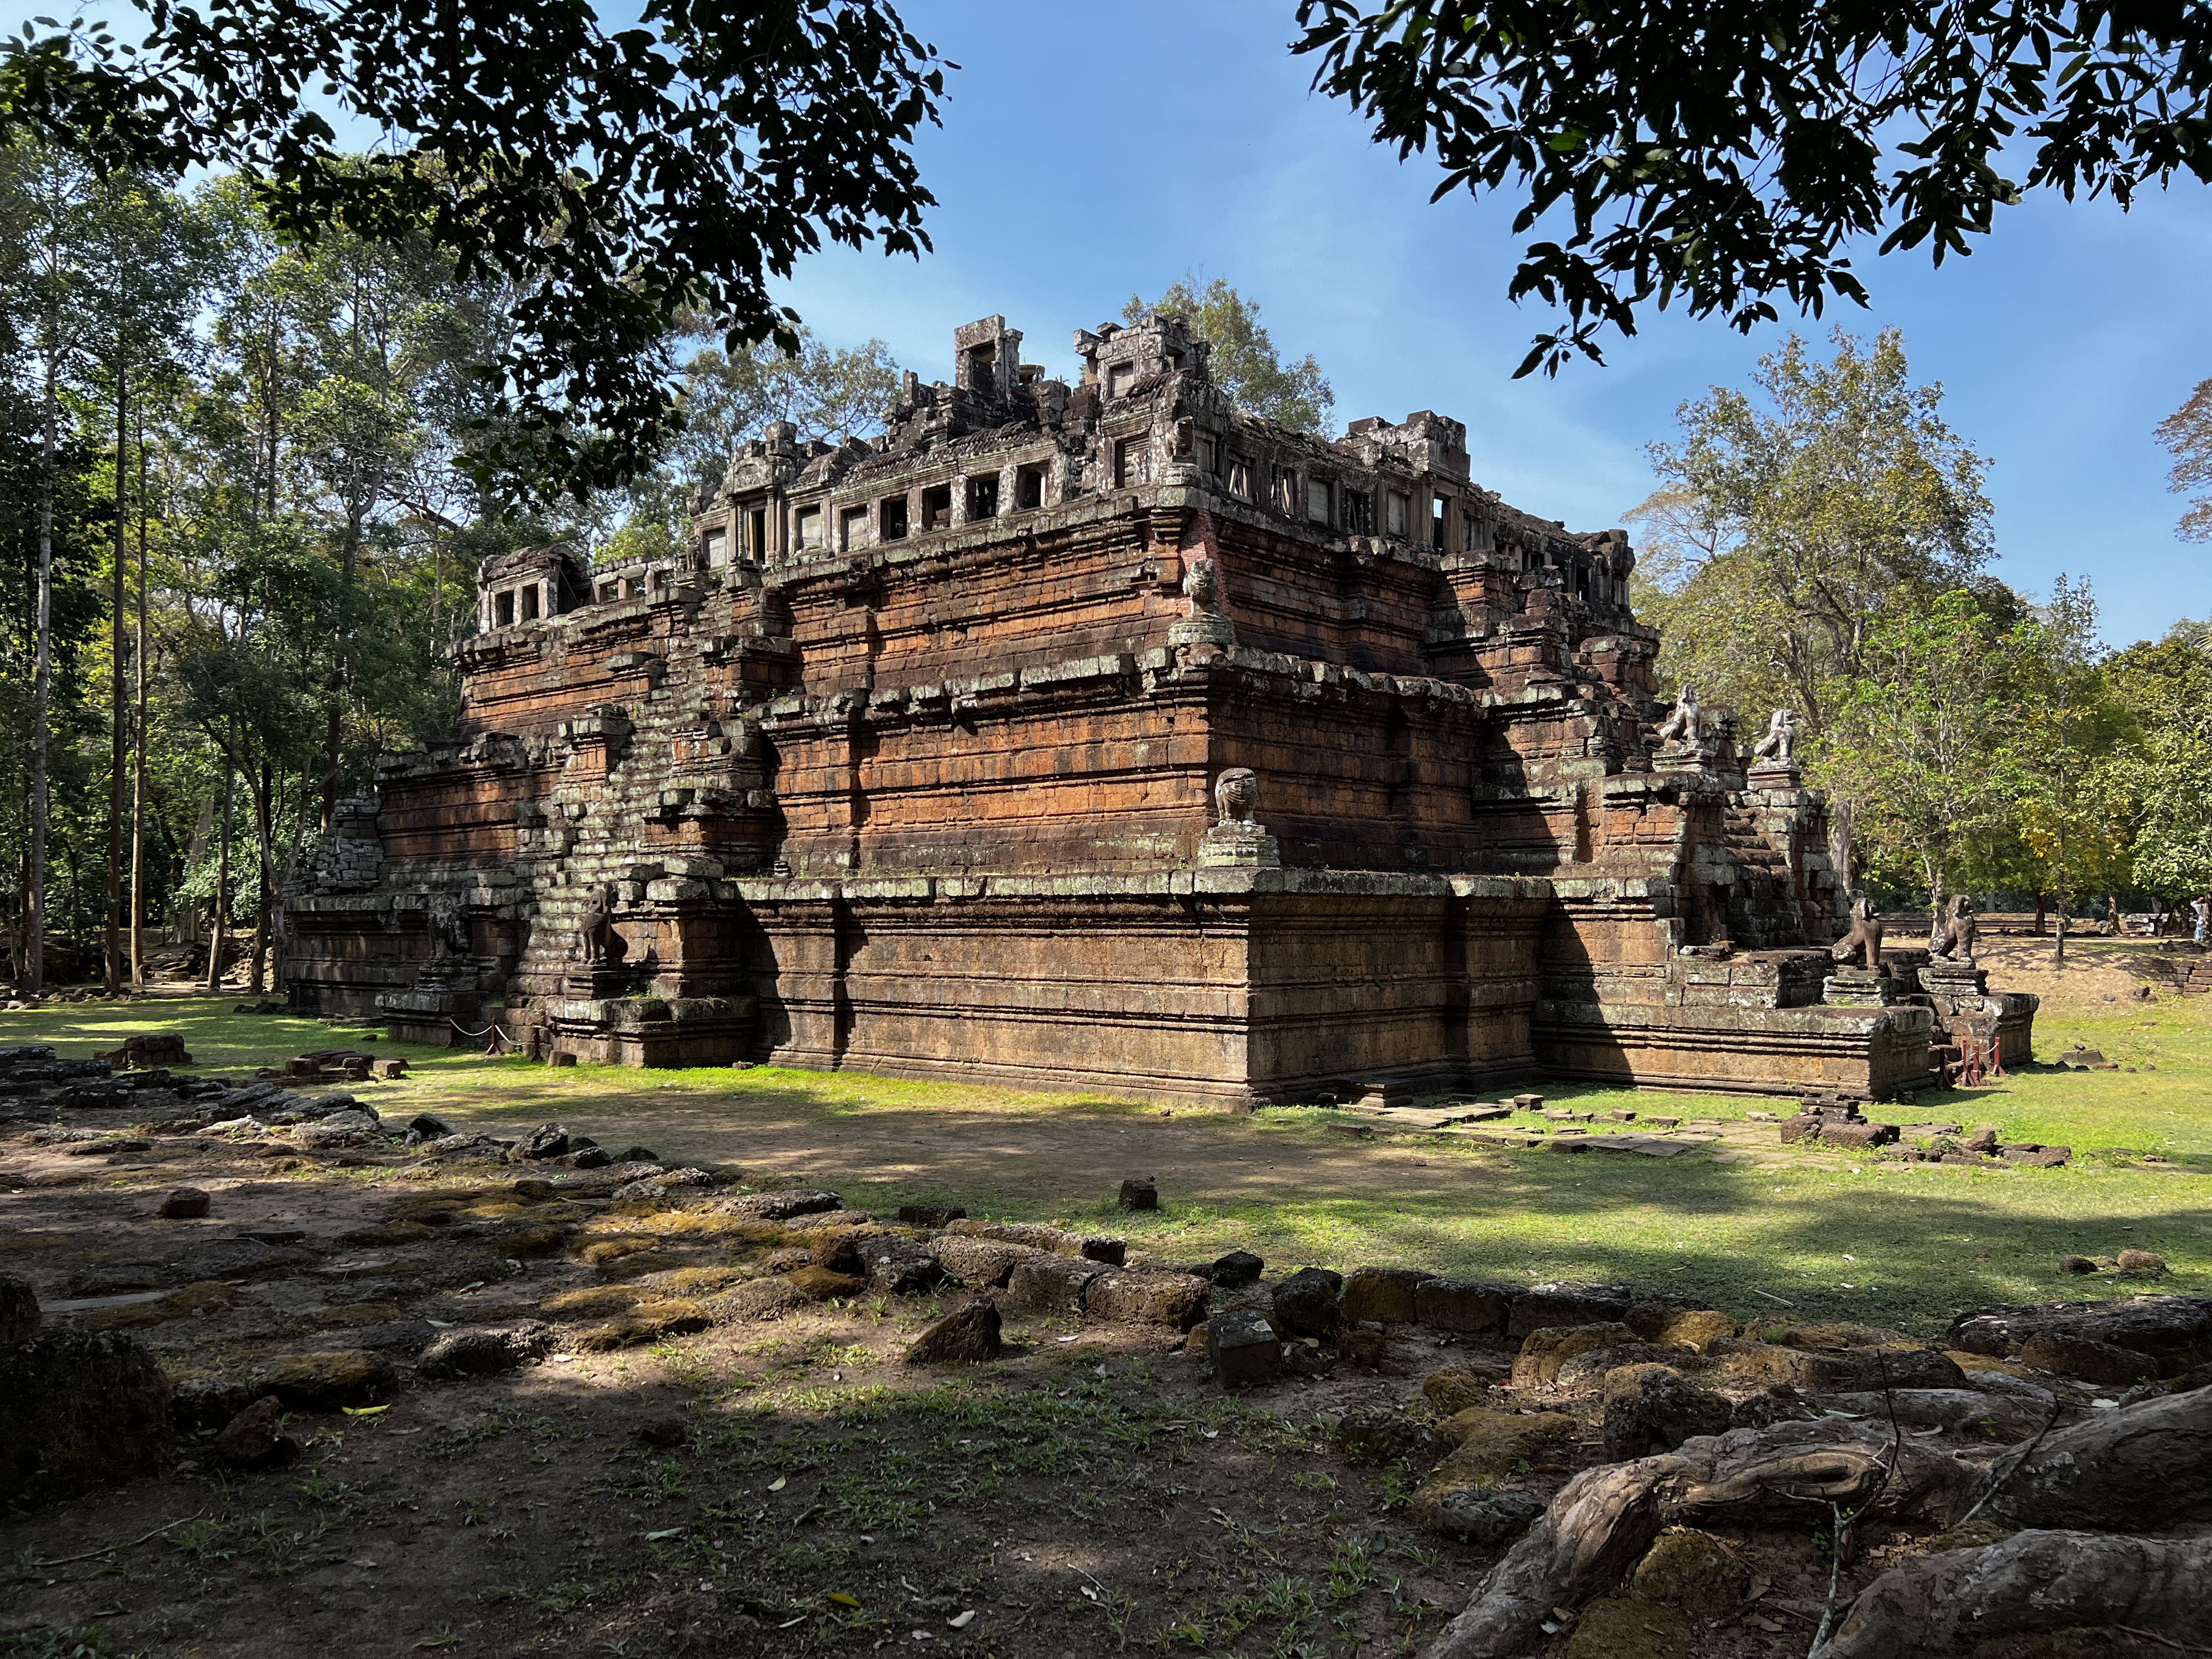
[[34, 907], [263, 828], [112, 959], [138, 756], [218, 934], [2042, 913]]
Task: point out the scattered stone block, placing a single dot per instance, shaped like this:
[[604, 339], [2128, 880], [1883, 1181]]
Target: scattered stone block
[[1383, 1295], [1651, 1408], [547, 1140], [1236, 1269], [2087, 1359], [898, 1266], [1050, 1283], [2076, 1264], [1380, 1437], [1620, 1626], [967, 1336], [1176, 1301], [484, 1350], [79, 1409], [1138, 1195], [1363, 1347], [1686, 1569], [1306, 1304], [757, 1299], [929, 1215], [1535, 1311], [1544, 1351], [1242, 1347], [819, 1284], [981, 1261], [1453, 1388], [329, 1379], [185, 1204], [253, 1439], [1461, 1304], [2148, 1263], [19, 1310], [776, 1206]]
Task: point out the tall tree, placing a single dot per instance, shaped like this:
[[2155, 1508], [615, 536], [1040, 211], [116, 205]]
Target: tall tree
[[619, 175], [2168, 770], [2187, 435], [1794, 515], [1726, 154], [1245, 362]]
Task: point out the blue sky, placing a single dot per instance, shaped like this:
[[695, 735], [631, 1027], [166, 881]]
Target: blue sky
[[1093, 150], [1090, 151]]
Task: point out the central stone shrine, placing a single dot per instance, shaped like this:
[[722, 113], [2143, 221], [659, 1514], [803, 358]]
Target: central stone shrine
[[1101, 736]]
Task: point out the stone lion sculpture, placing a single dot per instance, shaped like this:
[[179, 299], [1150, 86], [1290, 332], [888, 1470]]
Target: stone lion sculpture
[[1864, 940], [597, 941], [1201, 585], [1237, 797], [1779, 744], [1954, 933], [1686, 723]]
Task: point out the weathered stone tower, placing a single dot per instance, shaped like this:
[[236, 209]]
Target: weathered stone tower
[[1099, 736]]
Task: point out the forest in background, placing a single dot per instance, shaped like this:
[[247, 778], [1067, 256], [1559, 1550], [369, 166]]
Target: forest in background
[[266, 473]]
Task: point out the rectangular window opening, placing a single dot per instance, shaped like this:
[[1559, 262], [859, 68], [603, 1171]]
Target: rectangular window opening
[[502, 610], [610, 593], [757, 533], [1118, 378], [1401, 516], [1438, 508], [1358, 513], [937, 506], [530, 602], [983, 495], [891, 514], [1240, 477], [718, 547], [1029, 485], [806, 526], [852, 528], [1132, 458], [982, 370], [1317, 500]]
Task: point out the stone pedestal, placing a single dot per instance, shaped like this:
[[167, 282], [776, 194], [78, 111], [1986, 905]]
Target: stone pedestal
[[1944, 978], [1857, 987], [1239, 846], [591, 981], [1208, 628], [1773, 774]]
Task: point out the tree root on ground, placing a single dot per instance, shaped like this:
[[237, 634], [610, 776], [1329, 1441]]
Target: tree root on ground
[[2033, 1583], [2147, 1465]]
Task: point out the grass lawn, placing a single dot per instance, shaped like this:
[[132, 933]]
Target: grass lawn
[[1810, 1234]]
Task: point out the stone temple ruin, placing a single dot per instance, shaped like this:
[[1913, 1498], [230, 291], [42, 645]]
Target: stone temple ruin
[[1104, 737]]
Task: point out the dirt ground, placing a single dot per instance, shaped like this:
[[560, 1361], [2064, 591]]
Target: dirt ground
[[784, 1486]]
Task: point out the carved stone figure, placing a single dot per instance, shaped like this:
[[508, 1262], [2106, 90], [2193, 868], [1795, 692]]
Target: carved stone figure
[[1201, 585], [598, 945], [1954, 933], [1864, 940], [1779, 744], [1237, 798], [1686, 724]]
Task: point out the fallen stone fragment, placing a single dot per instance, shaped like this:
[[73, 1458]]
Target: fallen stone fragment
[[253, 1439], [546, 1141], [78, 1409], [1050, 1283], [1535, 1311], [483, 1350], [929, 1215], [1236, 1269], [1306, 1304], [661, 1186], [897, 1266], [204, 1400], [1385, 1294], [2084, 1357], [1138, 1195], [185, 1204], [2174, 1331], [1461, 1304], [1543, 1352], [1654, 1408], [19, 1310], [759, 1298], [981, 1261], [647, 1323], [967, 1336], [1176, 1301], [820, 1284], [2076, 1264], [780, 1207], [1242, 1348], [2148, 1263], [1380, 1437], [1686, 1569], [328, 1380], [1456, 1388]]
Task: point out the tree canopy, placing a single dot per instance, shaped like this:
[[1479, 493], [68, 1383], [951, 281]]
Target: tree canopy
[[2187, 435], [614, 179], [1245, 362], [1725, 153]]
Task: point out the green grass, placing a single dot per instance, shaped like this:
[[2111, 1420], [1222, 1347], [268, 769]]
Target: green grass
[[1825, 1235]]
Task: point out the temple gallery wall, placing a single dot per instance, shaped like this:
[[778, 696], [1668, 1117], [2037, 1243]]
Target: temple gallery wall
[[1102, 736]]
